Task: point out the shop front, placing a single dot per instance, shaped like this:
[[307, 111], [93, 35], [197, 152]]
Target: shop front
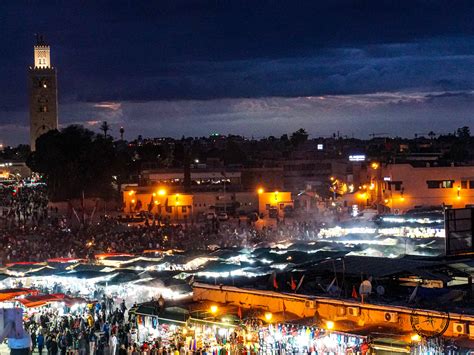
[[294, 339]]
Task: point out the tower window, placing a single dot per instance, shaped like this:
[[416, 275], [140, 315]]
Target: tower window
[[43, 108], [43, 83]]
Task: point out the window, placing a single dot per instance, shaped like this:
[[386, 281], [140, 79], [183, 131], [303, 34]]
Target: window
[[447, 184], [471, 184], [463, 184], [184, 209], [395, 185], [43, 108], [433, 184], [440, 184]]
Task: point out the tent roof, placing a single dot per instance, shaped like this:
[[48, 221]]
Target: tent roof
[[41, 300], [8, 294], [83, 274], [373, 266]]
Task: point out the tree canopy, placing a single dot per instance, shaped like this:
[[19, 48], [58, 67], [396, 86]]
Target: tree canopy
[[75, 161]]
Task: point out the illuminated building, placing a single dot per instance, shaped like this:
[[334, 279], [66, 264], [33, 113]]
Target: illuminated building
[[174, 206], [162, 201], [43, 94], [13, 169], [405, 187], [201, 179], [274, 203]]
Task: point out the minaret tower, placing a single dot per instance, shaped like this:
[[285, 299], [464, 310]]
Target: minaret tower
[[43, 93]]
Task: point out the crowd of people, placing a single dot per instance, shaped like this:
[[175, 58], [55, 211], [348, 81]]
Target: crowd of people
[[100, 328], [40, 243], [22, 203], [33, 232]]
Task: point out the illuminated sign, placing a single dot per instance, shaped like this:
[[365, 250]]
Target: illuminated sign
[[320, 146], [387, 178], [360, 157]]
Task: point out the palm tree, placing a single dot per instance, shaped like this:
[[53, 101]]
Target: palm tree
[[104, 127]]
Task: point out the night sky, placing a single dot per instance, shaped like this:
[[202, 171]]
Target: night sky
[[251, 67]]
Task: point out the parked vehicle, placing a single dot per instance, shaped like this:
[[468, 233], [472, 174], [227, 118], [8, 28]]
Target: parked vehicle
[[223, 216], [210, 216]]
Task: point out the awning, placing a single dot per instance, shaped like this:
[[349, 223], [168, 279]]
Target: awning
[[64, 260], [42, 300], [170, 315], [112, 255], [8, 294]]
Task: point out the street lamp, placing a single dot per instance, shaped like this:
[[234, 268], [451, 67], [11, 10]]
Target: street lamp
[[330, 325], [260, 190], [214, 309], [268, 316], [161, 192], [176, 204]]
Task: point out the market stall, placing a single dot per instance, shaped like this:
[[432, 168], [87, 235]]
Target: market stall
[[176, 327], [307, 339]]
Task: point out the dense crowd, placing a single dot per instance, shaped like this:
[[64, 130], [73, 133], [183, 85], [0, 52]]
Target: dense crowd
[[100, 328], [41, 243], [24, 203], [31, 231]]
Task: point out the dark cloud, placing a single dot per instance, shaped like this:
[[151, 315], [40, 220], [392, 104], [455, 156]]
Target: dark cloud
[[178, 50]]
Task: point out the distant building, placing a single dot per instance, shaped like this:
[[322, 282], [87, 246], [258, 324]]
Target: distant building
[[182, 206], [43, 93], [13, 170], [268, 178], [201, 179], [298, 174], [405, 186], [401, 187], [275, 203]]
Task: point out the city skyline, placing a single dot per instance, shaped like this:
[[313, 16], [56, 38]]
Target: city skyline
[[199, 67]]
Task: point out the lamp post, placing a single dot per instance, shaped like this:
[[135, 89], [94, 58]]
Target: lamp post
[[176, 204]]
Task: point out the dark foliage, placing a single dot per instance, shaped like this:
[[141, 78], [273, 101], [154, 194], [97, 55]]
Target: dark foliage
[[75, 161]]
